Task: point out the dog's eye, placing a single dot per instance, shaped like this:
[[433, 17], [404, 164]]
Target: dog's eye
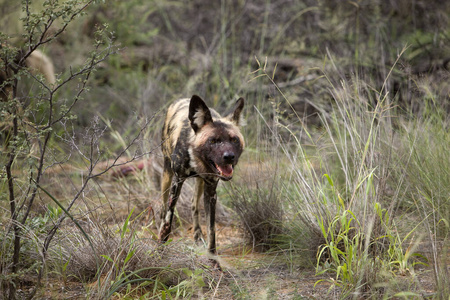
[[235, 140], [212, 141]]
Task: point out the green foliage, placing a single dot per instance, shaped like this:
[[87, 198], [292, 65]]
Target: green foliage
[[344, 249], [353, 257], [40, 224], [130, 20], [240, 292], [186, 288]]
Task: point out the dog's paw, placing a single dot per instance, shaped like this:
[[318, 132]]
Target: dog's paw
[[215, 265], [198, 238]]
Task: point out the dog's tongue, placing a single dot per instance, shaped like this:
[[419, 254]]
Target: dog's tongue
[[226, 171]]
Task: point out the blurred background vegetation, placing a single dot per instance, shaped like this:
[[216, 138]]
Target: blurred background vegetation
[[177, 48]]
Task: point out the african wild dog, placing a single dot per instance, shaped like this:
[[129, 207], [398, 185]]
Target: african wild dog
[[198, 142]]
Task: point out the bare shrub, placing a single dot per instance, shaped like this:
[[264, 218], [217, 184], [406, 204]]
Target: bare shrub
[[256, 201]]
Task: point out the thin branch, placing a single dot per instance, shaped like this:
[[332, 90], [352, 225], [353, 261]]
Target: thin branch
[[47, 25], [87, 70], [92, 163]]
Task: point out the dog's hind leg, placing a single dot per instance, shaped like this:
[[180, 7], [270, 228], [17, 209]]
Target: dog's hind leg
[[165, 187], [166, 225], [169, 204], [199, 187]]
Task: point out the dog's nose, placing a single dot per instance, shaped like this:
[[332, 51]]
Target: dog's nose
[[228, 157]]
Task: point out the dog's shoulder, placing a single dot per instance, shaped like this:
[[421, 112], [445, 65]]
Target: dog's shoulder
[[176, 124]]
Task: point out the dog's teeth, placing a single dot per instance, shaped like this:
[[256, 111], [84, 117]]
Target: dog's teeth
[[225, 171]]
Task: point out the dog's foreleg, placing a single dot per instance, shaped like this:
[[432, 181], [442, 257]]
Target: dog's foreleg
[[210, 199], [199, 187], [166, 225]]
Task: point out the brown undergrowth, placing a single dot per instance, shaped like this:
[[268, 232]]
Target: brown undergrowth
[[122, 260]]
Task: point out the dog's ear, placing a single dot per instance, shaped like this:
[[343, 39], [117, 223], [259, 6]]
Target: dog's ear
[[235, 115], [199, 113]]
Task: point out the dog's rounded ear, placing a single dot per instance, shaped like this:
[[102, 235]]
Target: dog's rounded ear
[[199, 113], [235, 116]]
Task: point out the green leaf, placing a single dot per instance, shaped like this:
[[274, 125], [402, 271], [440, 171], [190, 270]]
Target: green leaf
[[107, 258], [200, 282], [129, 256], [198, 272], [330, 181], [407, 294], [125, 224], [187, 272]]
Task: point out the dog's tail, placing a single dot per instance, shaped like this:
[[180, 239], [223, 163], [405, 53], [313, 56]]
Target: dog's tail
[[39, 63]]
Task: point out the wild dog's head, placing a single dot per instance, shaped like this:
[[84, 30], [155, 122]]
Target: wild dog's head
[[218, 142]]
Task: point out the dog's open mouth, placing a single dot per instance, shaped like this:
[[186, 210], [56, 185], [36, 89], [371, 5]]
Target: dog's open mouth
[[225, 171]]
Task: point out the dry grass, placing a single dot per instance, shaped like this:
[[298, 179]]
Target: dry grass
[[256, 200], [113, 262]]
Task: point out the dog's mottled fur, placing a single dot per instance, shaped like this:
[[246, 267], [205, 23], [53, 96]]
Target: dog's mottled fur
[[198, 142]]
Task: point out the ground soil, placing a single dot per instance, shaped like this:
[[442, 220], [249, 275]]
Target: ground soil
[[247, 274]]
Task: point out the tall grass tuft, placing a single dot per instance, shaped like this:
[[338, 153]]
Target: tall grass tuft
[[344, 200], [426, 172], [342, 193]]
